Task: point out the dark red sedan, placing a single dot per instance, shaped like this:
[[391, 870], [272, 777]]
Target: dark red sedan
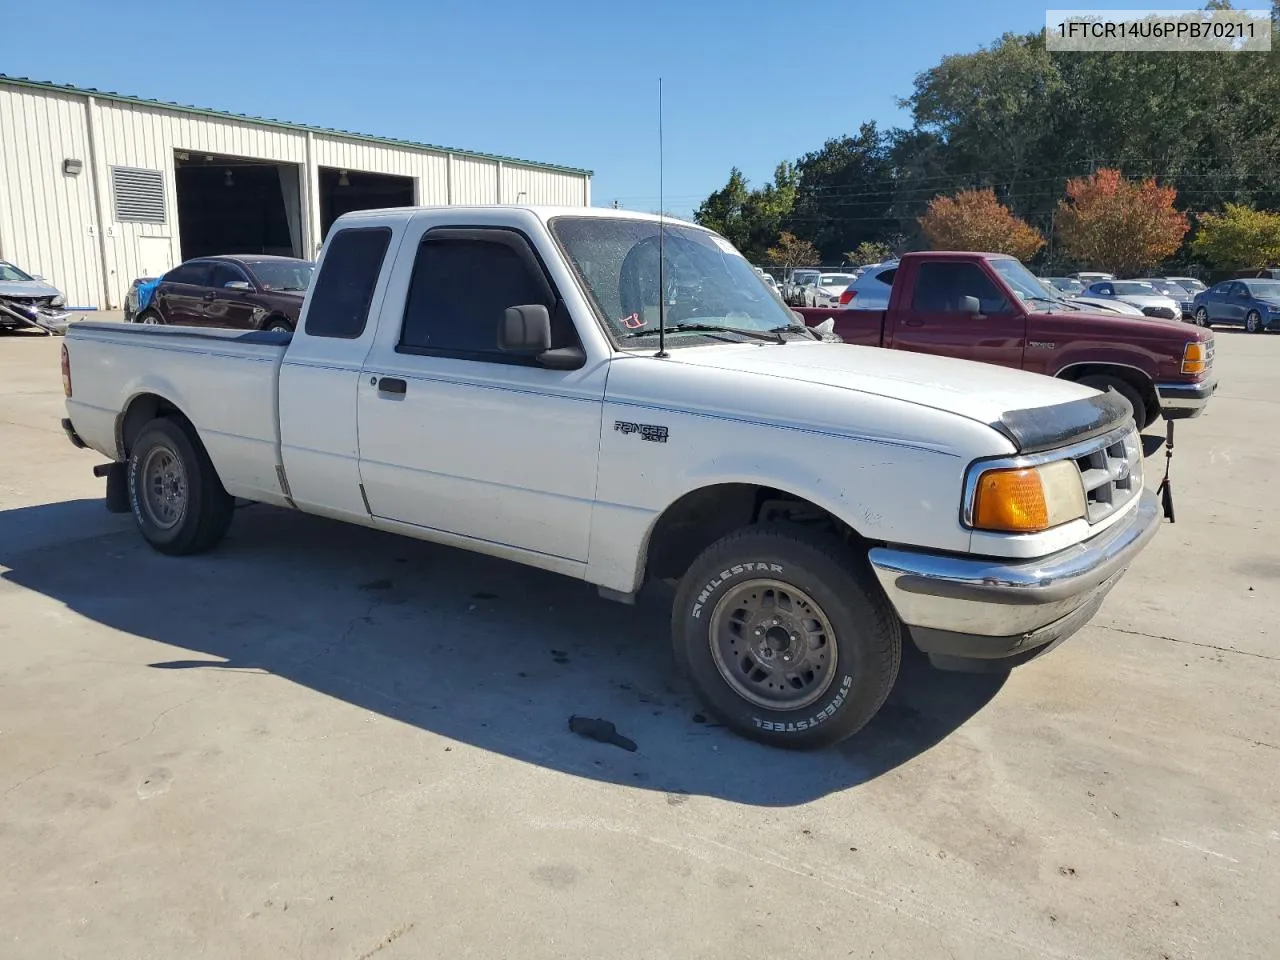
[[250, 292]]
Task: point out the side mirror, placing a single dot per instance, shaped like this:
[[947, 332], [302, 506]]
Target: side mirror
[[237, 285], [525, 329], [971, 305]]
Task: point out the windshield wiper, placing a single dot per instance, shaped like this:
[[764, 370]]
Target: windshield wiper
[[796, 328], [772, 336]]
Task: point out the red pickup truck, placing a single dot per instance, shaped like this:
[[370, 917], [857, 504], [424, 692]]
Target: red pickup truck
[[989, 307]]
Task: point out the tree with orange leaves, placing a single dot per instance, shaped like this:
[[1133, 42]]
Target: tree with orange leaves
[[976, 220], [1124, 226]]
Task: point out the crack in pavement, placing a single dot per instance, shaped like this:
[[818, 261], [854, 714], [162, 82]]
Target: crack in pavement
[[1193, 643]]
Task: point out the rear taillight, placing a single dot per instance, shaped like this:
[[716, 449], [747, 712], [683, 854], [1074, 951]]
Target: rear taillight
[[847, 296], [66, 371]]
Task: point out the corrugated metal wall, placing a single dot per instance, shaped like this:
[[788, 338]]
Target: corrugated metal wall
[[47, 217], [49, 221], [474, 180], [542, 187]]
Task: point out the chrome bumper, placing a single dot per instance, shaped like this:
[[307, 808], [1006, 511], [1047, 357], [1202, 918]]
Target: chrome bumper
[[1181, 401], [981, 609]]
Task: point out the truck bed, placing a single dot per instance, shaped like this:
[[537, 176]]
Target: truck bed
[[224, 381], [863, 327]]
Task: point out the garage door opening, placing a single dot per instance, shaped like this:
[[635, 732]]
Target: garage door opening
[[236, 205], [342, 191]]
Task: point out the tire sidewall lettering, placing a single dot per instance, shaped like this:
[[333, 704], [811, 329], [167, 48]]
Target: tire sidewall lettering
[[809, 723], [737, 569]]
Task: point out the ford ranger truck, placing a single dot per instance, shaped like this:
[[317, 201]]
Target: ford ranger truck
[[989, 307], [618, 398]]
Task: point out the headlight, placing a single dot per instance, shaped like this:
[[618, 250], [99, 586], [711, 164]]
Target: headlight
[[1195, 357], [1273, 308], [58, 301], [1028, 499]]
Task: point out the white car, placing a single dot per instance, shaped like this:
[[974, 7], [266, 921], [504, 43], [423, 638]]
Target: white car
[[1087, 277], [1138, 294], [826, 290], [1105, 305], [793, 289], [819, 504]]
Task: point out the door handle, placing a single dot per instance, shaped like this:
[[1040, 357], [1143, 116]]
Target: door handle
[[392, 385], [209, 295]]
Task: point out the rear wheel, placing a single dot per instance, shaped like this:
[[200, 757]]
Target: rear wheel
[[177, 499], [1105, 382], [1253, 322], [785, 636]]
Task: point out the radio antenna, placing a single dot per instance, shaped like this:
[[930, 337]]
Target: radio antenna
[[662, 286]]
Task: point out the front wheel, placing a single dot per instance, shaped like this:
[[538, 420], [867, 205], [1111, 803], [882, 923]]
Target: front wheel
[[786, 637], [1105, 382], [1202, 317], [150, 318], [279, 326], [177, 499], [1253, 322]]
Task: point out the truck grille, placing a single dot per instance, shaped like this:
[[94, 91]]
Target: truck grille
[[1111, 473]]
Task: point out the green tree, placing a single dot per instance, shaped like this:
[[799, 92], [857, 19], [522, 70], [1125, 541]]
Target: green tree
[[868, 251], [790, 252], [750, 219], [1239, 238]]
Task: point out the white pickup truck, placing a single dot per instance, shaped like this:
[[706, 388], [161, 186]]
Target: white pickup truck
[[490, 378]]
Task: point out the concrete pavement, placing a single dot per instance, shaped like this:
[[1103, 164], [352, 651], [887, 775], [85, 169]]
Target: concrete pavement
[[319, 741]]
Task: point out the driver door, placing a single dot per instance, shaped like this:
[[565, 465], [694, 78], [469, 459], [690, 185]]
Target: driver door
[[937, 323], [458, 436]]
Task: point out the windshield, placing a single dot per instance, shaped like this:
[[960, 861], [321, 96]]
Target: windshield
[[9, 272], [1188, 283], [1132, 288], [1264, 288], [1066, 284], [1169, 288], [283, 274], [836, 280], [1021, 280], [706, 279]]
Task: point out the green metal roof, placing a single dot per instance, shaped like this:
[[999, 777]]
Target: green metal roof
[[245, 118]]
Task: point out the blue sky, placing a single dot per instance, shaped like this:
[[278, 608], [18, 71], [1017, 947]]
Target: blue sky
[[575, 83]]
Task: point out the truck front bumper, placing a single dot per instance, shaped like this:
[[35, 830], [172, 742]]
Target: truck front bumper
[[972, 613], [1181, 401]]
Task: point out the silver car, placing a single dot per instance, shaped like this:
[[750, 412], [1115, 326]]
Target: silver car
[[870, 291], [28, 301], [1137, 294]]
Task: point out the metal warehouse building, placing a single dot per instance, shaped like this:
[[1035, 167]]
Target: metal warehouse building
[[98, 188]]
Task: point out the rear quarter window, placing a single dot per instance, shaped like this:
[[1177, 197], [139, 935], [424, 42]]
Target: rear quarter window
[[344, 288]]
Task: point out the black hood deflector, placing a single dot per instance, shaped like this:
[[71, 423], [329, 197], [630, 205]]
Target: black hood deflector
[[1044, 428]]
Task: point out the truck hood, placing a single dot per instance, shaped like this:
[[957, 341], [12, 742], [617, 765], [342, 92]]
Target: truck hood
[[978, 391], [27, 288]]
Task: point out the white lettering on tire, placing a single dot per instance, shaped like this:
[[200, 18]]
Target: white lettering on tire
[[797, 726], [723, 575]]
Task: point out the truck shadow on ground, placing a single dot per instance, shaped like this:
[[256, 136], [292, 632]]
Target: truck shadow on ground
[[478, 650]]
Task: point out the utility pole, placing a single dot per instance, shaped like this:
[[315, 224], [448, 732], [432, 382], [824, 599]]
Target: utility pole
[[616, 205]]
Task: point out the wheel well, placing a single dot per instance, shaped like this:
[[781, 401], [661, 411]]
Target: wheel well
[[703, 516], [1135, 378], [273, 317], [142, 410]]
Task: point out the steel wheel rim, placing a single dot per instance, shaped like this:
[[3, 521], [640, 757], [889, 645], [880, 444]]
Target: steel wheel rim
[[164, 488], [773, 644]]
